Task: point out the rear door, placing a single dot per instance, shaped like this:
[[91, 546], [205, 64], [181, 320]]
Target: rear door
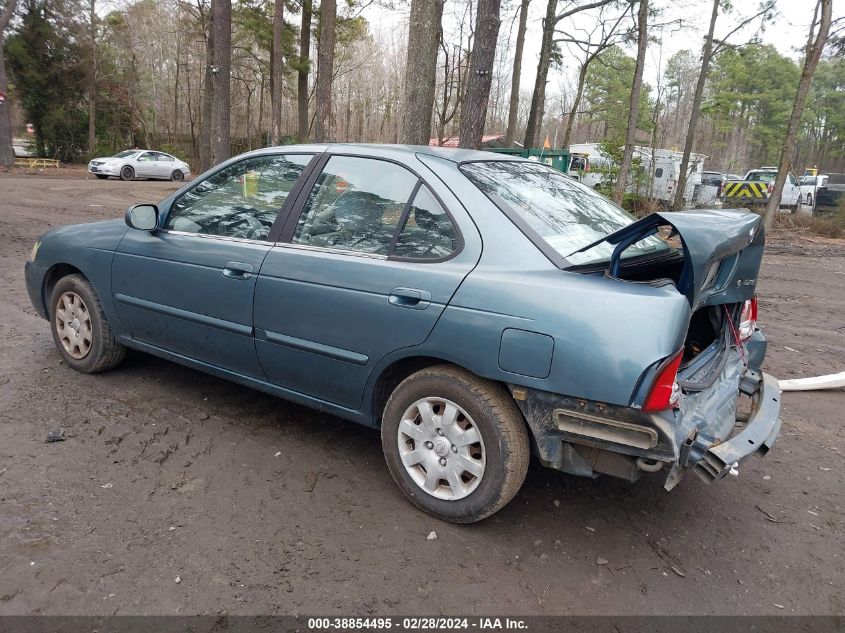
[[188, 287], [364, 269], [164, 165]]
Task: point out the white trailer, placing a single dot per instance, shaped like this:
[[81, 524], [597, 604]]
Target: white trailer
[[663, 167]]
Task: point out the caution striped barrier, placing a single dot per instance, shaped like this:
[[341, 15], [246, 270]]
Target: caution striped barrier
[[747, 190]]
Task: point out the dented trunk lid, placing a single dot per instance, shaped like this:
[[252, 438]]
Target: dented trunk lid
[[722, 251]]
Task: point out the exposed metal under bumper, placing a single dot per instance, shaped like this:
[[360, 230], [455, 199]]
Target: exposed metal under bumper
[[757, 437]]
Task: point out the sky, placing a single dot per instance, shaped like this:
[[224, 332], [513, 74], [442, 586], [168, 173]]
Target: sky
[[788, 32]]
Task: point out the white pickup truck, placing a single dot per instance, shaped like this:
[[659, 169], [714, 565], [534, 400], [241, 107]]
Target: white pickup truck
[[758, 184]]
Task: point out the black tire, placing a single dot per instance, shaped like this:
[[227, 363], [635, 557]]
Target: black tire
[[810, 200], [104, 352], [499, 422], [177, 176], [127, 173], [101, 176]]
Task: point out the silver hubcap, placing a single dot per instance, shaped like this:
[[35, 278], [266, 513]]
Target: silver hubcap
[[441, 448], [73, 325]]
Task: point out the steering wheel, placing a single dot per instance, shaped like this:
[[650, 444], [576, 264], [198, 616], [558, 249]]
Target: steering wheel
[[254, 229]]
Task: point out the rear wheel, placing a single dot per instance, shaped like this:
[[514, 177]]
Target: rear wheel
[[80, 328], [127, 173], [177, 176], [455, 444]]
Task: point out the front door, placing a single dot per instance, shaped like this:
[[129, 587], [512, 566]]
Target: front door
[[188, 287], [366, 269], [145, 165]]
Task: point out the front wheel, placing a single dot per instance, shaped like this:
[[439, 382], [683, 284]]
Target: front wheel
[[127, 173], [80, 328], [455, 444]]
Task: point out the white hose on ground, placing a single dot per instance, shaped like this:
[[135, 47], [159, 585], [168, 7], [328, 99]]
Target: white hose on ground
[[831, 381]]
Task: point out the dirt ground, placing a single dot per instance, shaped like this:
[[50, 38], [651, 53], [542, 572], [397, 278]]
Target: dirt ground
[[261, 506]]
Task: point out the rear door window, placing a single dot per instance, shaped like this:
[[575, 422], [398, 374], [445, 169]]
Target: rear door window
[[373, 206], [428, 232]]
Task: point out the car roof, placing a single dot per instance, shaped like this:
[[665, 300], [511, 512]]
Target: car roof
[[456, 155]]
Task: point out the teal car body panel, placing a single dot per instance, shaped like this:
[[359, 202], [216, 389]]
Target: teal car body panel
[[324, 327]]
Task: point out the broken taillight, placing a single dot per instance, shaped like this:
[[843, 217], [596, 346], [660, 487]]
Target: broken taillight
[[748, 319], [664, 391]]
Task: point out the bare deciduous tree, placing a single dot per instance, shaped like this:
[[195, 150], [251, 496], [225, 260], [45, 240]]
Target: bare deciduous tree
[[538, 98], [221, 24], [277, 73], [325, 65], [516, 76], [815, 45], [633, 115], [710, 49], [302, 72], [7, 152], [474, 110], [420, 70], [605, 34], [92, 78]]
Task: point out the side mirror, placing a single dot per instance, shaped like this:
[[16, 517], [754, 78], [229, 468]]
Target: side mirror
[[143, 217]]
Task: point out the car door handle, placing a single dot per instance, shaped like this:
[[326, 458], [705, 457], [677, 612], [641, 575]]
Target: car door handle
[[237, 270], [409, 298]]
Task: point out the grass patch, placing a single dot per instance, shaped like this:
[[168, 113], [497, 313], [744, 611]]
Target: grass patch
[[827, 225]]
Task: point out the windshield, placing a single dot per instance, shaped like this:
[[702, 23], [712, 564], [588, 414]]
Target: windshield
[[128, 152], [565, 214], [762, 176]]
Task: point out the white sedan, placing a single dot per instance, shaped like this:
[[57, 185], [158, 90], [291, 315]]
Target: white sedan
[[809, 185], [136, 163]]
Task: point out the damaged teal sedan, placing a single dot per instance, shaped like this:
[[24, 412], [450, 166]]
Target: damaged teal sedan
[[476, 308]]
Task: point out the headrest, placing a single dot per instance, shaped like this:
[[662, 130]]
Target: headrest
[[358, 209]]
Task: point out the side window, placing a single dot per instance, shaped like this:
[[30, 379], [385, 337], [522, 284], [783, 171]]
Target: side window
[[164, 158], [428, 232], [241, 200], [146, 157], [356, 204]]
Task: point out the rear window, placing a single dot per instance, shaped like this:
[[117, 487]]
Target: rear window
[[762, 176], [561, 212]]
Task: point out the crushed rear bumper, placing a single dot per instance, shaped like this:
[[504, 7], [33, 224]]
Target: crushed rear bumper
[[756, 438], [704, 435]]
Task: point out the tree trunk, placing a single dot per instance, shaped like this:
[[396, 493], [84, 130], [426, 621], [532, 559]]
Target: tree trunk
[[628, 150], [207, 100], [302, 75], [92, 81], [811, 60], [221, 25], [513, 108], [582, 77], [176, 87], [7, 151], [538, 98], [480, 77], [325, 70], [420, 70], [276, 73], [707, 53]]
